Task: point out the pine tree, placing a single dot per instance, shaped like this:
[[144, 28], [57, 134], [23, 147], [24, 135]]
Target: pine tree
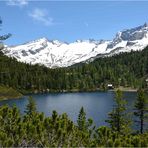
[[141, 109], [31, 107], [117, 117], [82, 120]]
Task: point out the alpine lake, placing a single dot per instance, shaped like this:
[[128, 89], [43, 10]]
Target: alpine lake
[[97, 105]]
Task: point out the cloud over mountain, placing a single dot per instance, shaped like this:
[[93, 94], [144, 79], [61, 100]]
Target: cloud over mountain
[[41, 15]]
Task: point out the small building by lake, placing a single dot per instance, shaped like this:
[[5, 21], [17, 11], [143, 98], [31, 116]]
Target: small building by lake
[[110, 86]]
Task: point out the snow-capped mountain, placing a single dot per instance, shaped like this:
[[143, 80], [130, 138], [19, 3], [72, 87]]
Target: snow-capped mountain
[[60, 54]]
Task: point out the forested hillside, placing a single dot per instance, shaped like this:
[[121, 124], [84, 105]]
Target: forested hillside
[[126, 69]]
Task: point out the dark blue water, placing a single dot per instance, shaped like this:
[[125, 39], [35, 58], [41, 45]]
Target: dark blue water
[[96, 104]]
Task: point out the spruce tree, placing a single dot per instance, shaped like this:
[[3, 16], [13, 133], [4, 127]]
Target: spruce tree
[[141, 109], [82, 120], [31, 107], [118, 119]]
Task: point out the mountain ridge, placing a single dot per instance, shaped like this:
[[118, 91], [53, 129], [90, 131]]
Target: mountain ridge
[[54, 53]]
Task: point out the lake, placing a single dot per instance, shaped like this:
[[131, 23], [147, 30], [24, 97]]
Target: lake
[[96, 104]]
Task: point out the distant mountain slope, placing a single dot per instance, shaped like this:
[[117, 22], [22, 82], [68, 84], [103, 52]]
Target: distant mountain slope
[[58, 54]]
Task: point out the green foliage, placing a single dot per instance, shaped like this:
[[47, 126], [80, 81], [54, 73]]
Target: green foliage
[[31, 107], [141, 109], [85, 125], [82, 120], [118, 119], [35, 130]]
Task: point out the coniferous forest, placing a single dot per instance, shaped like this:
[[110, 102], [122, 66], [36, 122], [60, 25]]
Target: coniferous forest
[[126, 69]]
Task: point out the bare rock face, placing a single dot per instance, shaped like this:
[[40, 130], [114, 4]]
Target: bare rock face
[[53, 53]]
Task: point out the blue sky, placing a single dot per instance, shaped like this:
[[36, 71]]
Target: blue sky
[[69, 20]]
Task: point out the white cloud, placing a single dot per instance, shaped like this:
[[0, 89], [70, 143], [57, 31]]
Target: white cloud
[[41, 15], [19, 3]]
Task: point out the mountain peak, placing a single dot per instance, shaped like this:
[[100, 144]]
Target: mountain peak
[[56, 42], [132, 34], [145, 24], [42, 39], [54, 53]]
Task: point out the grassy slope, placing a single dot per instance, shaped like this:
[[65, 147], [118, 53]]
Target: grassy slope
[[7, 93]]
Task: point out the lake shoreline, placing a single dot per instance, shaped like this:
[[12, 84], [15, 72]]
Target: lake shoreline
[[123, 89], [7, 93], [9, 98], [82, 91]]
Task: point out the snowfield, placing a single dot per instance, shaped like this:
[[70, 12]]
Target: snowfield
[[54, 53]]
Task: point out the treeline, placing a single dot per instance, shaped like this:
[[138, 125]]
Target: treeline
[[33, 129], [126, 69]]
